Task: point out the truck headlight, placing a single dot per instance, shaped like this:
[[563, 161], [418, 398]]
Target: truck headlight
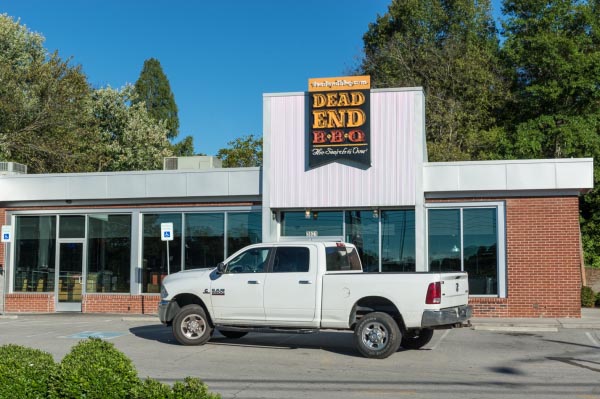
[[163, 292]]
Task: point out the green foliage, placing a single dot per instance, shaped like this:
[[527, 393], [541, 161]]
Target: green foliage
[[94, 369], [153, 89], [185, 148], [43, 99], [24, 372], [131, 139], [588, 297], [242, 152], [190, 388], [451, 50]]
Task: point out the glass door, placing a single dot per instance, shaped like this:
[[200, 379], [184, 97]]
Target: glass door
[[69, 289]]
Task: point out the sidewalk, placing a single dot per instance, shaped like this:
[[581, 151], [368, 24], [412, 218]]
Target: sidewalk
[[590, 320]]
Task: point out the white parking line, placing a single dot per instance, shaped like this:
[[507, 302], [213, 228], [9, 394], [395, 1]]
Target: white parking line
[[440, 340], [591, 337]]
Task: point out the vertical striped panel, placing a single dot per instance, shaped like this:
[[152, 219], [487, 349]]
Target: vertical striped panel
[[390, 181]]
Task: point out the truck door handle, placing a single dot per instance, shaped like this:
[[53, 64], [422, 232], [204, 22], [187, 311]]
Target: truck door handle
[[253, 282], [304, 282]]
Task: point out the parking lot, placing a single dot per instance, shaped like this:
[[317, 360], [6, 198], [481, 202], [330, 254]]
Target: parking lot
[[462, 363]]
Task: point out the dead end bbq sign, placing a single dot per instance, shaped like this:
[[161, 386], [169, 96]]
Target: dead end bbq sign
[[339, 126]]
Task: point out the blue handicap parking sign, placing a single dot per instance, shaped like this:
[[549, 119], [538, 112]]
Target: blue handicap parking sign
[[6, 236], [167, 234]]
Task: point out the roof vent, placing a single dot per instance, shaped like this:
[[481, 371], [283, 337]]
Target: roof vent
[[12, 168], [192, 163]]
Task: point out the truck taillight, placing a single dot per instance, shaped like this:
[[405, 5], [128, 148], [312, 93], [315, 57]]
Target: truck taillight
[[434, 294]]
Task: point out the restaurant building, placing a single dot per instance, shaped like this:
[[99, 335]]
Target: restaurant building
[[341, 162]]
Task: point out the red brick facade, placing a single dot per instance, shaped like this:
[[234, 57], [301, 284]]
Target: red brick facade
[[91, 303], [543, 260]]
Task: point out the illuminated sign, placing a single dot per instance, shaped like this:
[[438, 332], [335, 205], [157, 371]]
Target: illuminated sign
[[339, 128]]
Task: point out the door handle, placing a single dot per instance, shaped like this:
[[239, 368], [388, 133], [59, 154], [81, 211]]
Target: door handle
[[253, 282], [304, 282]]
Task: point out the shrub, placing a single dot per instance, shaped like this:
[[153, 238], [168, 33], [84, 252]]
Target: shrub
[[587, 297], [24, 372], [94, 369], [598, 299], [190, 388]]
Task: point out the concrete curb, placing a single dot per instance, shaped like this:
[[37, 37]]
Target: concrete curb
[[489, 327]]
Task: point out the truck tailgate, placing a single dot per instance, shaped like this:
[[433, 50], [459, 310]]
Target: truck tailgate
[[455, 289]]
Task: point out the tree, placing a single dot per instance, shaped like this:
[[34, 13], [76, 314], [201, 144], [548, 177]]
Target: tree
[[553, 47], [153, 89], [185, 148], [43, 99], [131, 138], [450, 49], [242, 152]]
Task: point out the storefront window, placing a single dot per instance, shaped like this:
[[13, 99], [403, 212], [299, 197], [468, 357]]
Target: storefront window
[[398, 241], [35, 253], [71, 226], [204, 239], [444, 240], [314, 223], [362, 230], [480, 253], [466, 239], [109, 253], [243, 229], [155, 266]]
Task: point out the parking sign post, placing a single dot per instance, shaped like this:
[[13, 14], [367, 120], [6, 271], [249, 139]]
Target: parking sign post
[[6, 239], [166, 234]]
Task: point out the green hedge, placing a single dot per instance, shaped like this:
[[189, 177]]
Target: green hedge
[[24, 372], [588, 297], [93, 369]]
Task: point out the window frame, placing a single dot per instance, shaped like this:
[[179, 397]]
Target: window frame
[[500, 207]]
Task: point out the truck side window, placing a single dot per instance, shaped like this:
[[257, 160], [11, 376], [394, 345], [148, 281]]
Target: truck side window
[[251, 261], [291, 260], [342, 259]]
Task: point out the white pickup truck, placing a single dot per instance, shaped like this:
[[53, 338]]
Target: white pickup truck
[[301, 287]]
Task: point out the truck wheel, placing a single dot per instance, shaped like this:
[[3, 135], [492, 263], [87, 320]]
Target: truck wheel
[[416, 339], [233, 334], [377, 335], [191, 326]]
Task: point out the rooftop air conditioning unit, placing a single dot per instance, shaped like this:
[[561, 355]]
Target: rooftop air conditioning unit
[[12, 168], [192, 163]]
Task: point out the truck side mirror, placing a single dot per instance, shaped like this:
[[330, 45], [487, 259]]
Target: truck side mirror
[[221, 268]]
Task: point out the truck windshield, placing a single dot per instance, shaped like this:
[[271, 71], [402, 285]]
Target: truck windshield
[[342, 259]]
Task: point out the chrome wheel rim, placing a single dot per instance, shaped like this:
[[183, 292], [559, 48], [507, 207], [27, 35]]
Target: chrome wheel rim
[[193, 326], [375, 335]]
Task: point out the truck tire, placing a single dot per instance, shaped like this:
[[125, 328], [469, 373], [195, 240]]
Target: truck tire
[[416, 339], [233, 334], [191, 326], [377, 335]]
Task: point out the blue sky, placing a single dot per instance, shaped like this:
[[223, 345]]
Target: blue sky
[[219, 56]]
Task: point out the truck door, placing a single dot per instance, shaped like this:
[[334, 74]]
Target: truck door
[[237, 294], [291, 285]]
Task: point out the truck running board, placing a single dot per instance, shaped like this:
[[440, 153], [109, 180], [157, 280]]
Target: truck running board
[[278, 330]]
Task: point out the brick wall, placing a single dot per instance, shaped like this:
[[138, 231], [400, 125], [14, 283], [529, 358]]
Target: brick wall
[[29, 303], [543, 259], [112, 303], [91, 303]]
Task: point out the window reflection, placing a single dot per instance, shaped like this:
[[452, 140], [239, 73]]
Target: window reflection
[[35, 253], [444, 240], [243, 229], [154, 250], [480, 250], [362, 230], [398, 241], [325, 223], [109, 253], [204, 239]]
